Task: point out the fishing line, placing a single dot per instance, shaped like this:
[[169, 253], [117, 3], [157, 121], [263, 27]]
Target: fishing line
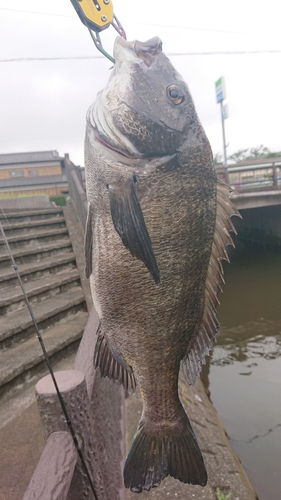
[[47, 360], [183, 54]]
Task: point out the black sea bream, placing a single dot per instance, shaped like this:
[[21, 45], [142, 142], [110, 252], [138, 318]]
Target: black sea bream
[[157, 228]]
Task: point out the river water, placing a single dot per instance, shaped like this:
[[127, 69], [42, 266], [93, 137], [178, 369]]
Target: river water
[[243, 374]]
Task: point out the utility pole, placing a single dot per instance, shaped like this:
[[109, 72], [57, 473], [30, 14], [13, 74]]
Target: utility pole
[[220, 96]]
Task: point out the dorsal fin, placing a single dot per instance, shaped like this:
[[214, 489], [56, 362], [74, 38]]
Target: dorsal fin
[[204, 336]]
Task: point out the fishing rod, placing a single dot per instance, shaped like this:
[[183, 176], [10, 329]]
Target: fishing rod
[[47, 360]]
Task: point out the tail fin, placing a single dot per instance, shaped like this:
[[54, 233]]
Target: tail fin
[[154, 457]]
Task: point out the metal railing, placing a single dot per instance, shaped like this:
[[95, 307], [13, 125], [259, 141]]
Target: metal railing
[[261, 175]]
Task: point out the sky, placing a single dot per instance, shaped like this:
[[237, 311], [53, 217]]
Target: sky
[[50, 70]]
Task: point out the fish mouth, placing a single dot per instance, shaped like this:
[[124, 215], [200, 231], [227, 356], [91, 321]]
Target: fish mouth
[[149, 50], [127, 55], [145, 52], [114, 149]]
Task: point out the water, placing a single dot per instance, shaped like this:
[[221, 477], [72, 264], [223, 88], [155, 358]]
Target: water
[[244, 376]]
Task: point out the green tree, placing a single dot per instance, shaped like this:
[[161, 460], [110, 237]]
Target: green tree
[[258, 152], [218, 159], [274, 154], [239, 155], [253, 153]]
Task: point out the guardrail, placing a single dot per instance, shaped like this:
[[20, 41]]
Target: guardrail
[[265, 174], [96, 409]]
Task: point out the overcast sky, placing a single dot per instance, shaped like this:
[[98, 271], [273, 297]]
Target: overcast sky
[[43, 103]]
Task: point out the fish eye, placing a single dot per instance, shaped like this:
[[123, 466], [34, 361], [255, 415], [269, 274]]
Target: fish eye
[[175, 93]]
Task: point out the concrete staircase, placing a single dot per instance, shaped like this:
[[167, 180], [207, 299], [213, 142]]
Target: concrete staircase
[[43, 252]]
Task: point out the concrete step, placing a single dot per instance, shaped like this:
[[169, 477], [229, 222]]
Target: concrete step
[[26, 227], [18, 325], [37, 253], [14, 216], [35, 270], [25, 359], [38, 290], [34, 238]]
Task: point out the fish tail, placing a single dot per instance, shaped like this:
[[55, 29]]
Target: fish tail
[[156, 455]]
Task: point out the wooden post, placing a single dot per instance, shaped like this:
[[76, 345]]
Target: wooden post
[[107, 413], [73, 388], [54, 471]]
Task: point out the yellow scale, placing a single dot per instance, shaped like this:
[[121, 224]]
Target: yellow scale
[[95, 14], [98, 15]]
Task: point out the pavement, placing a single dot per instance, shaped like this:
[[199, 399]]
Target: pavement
[[21, 437], [22, 442]]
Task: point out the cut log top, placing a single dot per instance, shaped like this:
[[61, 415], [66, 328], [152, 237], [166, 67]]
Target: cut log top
[[67, 380]]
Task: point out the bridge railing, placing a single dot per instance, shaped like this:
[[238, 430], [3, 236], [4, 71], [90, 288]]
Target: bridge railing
[[96, 410], [265, 174], [260, 177]]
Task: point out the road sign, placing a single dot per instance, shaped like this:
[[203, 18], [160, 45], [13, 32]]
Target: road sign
[[220, 89], [225, 111]]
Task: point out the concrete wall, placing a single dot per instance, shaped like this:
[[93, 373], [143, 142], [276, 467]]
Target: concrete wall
[[257, 199], [259, 226]]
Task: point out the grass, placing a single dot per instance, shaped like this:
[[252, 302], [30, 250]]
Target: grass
[[60, 201], [222, 496]]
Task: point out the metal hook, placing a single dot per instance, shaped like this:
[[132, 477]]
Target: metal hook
[[97, 39]]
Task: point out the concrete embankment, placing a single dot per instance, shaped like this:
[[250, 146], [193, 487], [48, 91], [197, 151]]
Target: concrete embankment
[[225, 472]]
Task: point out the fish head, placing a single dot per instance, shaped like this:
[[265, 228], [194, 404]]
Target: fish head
[[146, 109]]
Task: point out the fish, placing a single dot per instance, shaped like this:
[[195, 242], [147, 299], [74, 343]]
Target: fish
[[158, 225]]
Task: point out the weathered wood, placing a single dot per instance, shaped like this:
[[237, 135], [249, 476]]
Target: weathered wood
[[54, 471], [107, 413], [73, 388], [108, 422], [84, 359]]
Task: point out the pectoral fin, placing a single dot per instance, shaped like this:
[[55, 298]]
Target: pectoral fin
[[129, 223], [88, 244]]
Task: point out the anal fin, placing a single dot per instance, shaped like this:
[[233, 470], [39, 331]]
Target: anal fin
[[112, 367]]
